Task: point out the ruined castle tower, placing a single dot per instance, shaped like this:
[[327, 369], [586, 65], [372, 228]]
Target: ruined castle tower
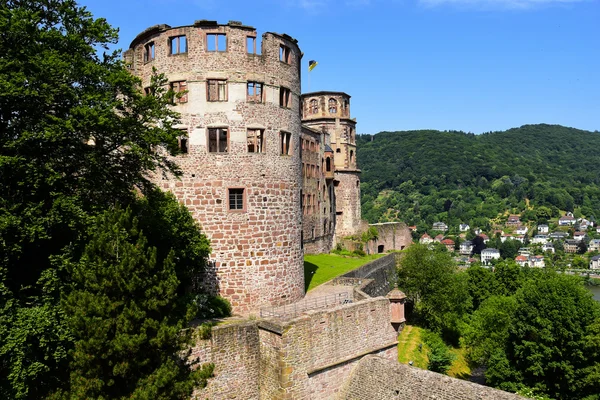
[[329, 112], [241, 159]]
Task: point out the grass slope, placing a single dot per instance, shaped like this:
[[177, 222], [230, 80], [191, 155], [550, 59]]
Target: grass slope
[[320, 268]]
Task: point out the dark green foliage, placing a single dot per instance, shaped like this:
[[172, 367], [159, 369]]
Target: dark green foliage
[[76, 139], [439, 356], [420, 177]]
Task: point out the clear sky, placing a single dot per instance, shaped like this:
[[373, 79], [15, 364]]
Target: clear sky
[[472, 65]]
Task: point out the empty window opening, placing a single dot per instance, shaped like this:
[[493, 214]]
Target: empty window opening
[[183, 144], [252, 45], [149, 52], [178, 44], [148, 91], [255, 92], [236, 199], [312, 233], [328, 164], [338, 150], [314, 107], [218, 140], [351, 155], [286, 144], [216, 42], [332, 106], [285, 54], [216, 90], [179, 91], [255, 140], [285, 97], [380, 248]]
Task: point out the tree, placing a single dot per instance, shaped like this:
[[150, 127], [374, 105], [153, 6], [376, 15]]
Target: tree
[[77, 137], [482, 284]]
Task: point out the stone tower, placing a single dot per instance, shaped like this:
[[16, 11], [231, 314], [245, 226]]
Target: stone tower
[[241, 159], [329, 112]]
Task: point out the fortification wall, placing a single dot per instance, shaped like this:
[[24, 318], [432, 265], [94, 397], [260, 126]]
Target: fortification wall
[[235, 351], [391, 236], [319, 245], [347, 203], [375, 278], [241, 160], [381, 379]]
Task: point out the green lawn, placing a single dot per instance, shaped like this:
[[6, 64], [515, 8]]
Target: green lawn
[[321, 268]]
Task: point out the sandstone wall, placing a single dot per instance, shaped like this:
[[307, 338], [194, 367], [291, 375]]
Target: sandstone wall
[[375, 278], [256, 255], [381, 379], [391, 236]]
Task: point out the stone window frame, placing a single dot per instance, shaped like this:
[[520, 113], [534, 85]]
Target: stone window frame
[[285, 54], [333, 106], [244, 194], [149, 52], [216, 35], [179, 87], [262, 146], [254, 98], [252, 50], [218, 128], [174, 51], [285, 97], [183, 142], [313, 107], [217, 80], [285, 143]]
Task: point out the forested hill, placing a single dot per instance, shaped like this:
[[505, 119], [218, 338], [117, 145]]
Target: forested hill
[[425, 176]]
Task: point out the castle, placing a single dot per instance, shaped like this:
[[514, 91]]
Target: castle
[[268, 172]]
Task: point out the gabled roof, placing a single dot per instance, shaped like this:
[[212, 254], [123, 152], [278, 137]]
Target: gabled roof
[[447, 241], [521, 258]]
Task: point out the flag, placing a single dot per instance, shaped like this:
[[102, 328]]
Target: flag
[[311, 65]]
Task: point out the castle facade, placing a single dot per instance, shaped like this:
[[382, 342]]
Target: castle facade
[[267, 172]]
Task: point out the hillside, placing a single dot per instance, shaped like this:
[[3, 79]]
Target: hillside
[[425, 176]]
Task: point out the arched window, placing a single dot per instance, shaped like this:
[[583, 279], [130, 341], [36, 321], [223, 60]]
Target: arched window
[[332, 106], [328, 164], [314, 107]]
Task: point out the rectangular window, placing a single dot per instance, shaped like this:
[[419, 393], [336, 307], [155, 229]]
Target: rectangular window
[[252, 46], [216, 42], [236, 199], [286, 143], [216, 90], [285, 54], [255, 140], [285, 97], [183, 144], [180, 91], [178, 44], [149, 52], [218, 140], [255, 92], [148, 91]]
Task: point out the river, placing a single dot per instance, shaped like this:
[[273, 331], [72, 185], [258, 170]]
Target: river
[[595, 291]]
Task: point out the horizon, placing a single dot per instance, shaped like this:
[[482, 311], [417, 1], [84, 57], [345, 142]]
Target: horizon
[[462, 65]]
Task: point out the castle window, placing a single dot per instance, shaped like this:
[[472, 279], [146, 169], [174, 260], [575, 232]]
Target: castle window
[[183, 144], [351, 155], [148, 91], [332, 106], [180, 91], [149, 52], [216, 42], [178, 44], [314, 107], [255, 140], [285, 97], [345, 108], [285, 54], [251, 45], [255, 92], [216, 90], [286, 145], [218, 140], [338, 150], [328, 164], [235, 199]]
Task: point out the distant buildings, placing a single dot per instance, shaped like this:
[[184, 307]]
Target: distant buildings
[[542, 228], [440, 226], [566, 220], [466, 247], [488, 255], [595, 262]]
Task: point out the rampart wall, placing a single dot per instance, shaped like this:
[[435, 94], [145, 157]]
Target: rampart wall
[[381, 379], [391, 236]]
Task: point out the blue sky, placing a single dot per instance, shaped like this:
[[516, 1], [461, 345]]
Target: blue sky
[[472, 65]]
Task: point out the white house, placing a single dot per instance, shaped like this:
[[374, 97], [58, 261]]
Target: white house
[[440, 226], [520, 238], [539, 239], [464, 227], [505, 237], [425, 239], [489, 254], [543, 229], [548, 247], [579, 236], [522, 260], [477, 231], [566, 220], [522, 230], [484, 237], [537, 261], [594, 245], [595, 262], [598, 229], [466, 247]]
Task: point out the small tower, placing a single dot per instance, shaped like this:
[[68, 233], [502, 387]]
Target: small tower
[[329, 112], [397, 299]]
